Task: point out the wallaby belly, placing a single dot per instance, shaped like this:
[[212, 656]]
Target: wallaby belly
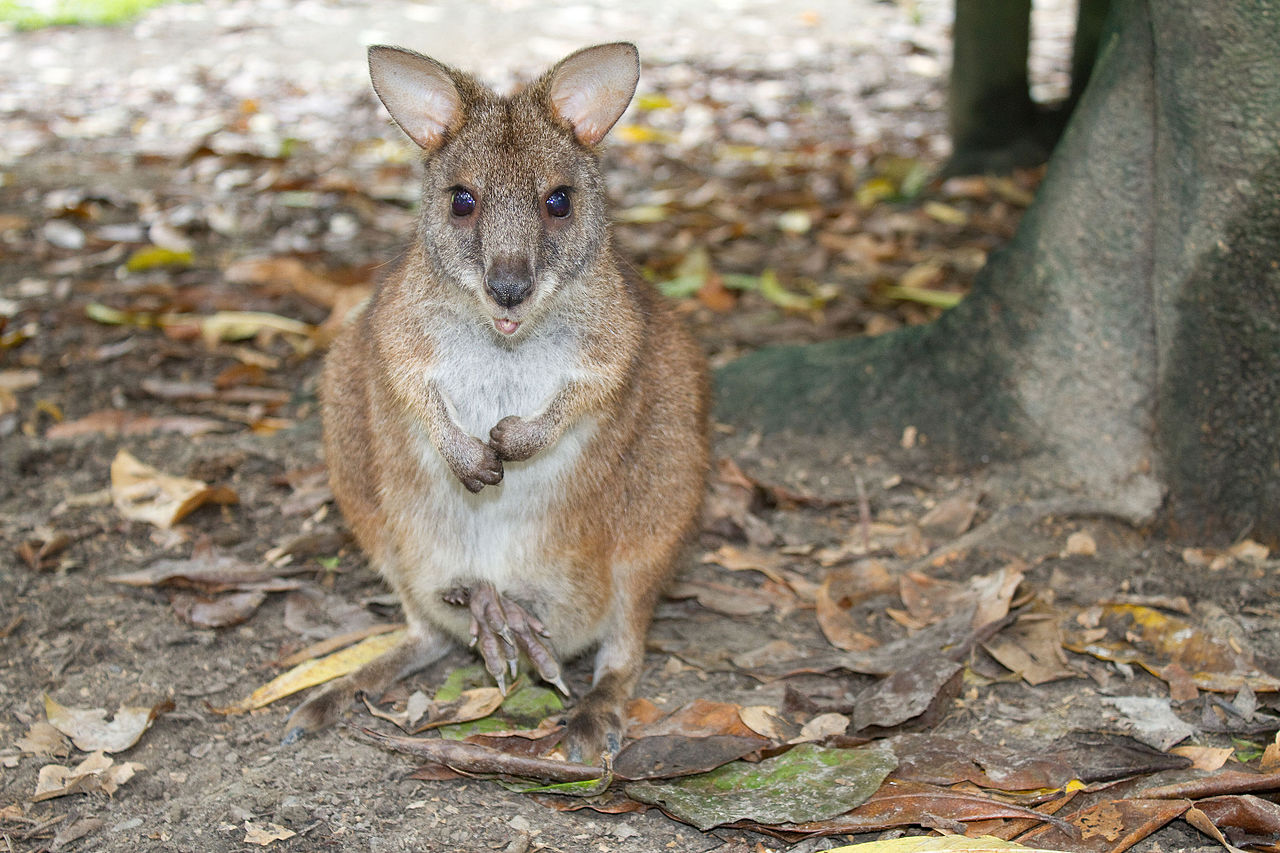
[[501, 534]]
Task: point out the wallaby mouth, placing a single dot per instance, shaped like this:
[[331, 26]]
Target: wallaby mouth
[[506, 326]]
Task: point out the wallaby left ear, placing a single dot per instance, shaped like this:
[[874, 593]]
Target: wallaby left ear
[[590, 89]]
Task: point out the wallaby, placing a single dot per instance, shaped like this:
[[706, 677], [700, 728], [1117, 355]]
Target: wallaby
[[515, 427]]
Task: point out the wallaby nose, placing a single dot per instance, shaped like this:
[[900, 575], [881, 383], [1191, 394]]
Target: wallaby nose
[[509, 281]]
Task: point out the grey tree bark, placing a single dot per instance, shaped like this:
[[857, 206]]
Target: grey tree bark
[[994, 124], [1126, 345]]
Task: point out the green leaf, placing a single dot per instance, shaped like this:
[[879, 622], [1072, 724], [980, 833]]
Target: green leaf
[[525, 706], [772, 289], [807, 783]]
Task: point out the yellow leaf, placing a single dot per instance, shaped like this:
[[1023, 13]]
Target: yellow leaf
[[923, 295], [642, 134], [945, 213], [155, 257], [316, 671], [653, 101]]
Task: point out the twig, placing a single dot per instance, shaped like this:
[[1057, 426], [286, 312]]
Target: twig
[[475, 759]]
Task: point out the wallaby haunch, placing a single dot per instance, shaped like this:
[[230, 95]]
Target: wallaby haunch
[[515, 427]]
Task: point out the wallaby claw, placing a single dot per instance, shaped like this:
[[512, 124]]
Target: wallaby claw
[[502, 629], [292, 736]]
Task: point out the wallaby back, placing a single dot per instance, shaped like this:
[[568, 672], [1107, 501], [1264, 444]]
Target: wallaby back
[[516, 429]]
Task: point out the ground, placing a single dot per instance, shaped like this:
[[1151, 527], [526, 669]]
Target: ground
[[227, 156]]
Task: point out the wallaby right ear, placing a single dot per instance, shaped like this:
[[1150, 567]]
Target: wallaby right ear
[[418, 92]]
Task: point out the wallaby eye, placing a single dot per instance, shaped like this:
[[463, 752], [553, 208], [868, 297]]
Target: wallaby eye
[[558, 204], [463, 203]]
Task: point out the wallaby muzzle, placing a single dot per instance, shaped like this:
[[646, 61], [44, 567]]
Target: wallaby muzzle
[[509, 281]]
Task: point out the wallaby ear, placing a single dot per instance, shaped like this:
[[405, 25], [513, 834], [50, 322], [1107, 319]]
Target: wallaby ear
[[418, 92], [590, 89]]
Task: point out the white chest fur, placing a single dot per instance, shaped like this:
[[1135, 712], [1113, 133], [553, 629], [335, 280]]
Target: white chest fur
[[498, 534]]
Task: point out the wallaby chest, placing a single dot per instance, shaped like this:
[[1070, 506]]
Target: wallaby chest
[[486, 379]]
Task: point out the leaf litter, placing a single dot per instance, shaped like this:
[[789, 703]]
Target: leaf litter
[[747, 221]]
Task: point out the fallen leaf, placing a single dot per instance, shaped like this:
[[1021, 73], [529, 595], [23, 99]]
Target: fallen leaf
[[699, 718], [332, 644], [1270, 756], [1153, 640], [1221, 783], [220, 611], [725, 599], [143, 493], [929, 600], [1032, 648], [806, 783], [822, 727], [1150, 720], [1205, 758], [949, 517], [473, 704], [737, 559], [89, 730], [315, 671], [265, 834], [922, 682], [113, 422], [209, 571], [96, 774], [1244, 819], [75, 831], [841, 590], [768, 722], [1109, 826], [43, 739], [674, 755], [1081, 544], [898, 803]]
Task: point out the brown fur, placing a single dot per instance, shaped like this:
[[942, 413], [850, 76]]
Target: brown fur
[[616, 452]]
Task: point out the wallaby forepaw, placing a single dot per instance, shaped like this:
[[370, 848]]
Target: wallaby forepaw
[[592, 733], [516, 439], [477, 465]]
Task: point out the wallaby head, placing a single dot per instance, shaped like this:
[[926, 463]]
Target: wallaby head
[[513, 206]]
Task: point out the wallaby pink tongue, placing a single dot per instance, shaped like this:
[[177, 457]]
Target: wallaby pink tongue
[[506, 326]]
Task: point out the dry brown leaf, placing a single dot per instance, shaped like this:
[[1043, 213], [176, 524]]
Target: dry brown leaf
[[113, 422], [1205, 758], [769, 722], [221, 611], [89, 730], [699, 718], [470, 705], [1032, 648], [822, 727], [753, 559], [43, 739], [98, 773], [143, 493], [949, 517], [1081, 544], [842, 589], [1270, 760], [729, 600], [265, 834]]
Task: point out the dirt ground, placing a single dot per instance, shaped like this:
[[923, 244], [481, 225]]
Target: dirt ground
[[239, 130]]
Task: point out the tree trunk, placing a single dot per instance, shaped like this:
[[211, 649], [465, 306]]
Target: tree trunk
[[992, 121], [1126, 344]]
